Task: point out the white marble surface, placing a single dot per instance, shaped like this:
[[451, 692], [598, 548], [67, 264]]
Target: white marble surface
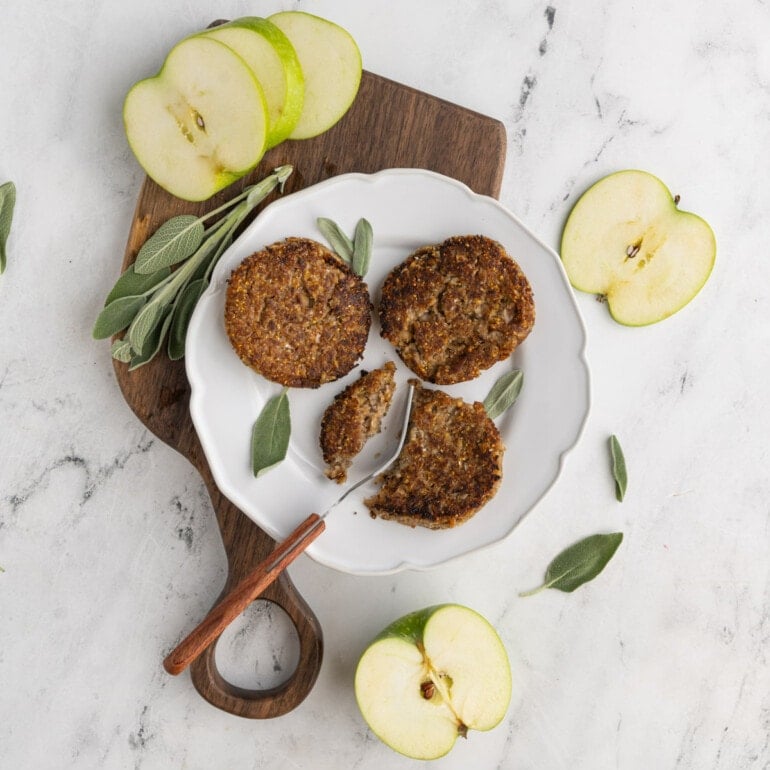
[[106, 535]]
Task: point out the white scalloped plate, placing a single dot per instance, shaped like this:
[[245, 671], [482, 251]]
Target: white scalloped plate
[[407, 208]]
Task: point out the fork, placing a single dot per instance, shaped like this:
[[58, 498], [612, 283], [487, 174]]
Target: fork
[[234, 603]]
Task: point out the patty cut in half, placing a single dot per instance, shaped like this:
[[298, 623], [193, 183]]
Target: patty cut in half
[[456, 308], [296, 314], [353, 417], [450, 466]]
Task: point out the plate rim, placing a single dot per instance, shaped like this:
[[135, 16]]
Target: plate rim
[[372, 178]]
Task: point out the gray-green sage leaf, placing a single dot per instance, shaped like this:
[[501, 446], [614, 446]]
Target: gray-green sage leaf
[[7, 203], [153, 342], [362, 247], [579, 563], [183, 311], [116, 316], [503, 393], [270, 435], [619, 472], [172, 242], [121, 351], [340, 243], [132, 283], [146, 321]]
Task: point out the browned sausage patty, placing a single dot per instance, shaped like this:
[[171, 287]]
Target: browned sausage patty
[[450, 466], [297, 314], [456, 308], [353, 417]]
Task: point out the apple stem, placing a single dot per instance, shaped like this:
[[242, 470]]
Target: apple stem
[[677, 198]]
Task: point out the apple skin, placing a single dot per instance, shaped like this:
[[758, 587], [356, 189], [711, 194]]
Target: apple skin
[[430, 676], [331, 64], [200, 123], [275, 65], [627, 240]]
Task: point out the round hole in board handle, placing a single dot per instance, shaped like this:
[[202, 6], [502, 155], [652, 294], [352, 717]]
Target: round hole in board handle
[[259, 650]]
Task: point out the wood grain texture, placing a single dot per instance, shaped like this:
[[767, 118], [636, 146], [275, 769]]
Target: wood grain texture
[[389, 126]]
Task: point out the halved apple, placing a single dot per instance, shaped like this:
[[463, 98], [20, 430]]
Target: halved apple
[[274, 63], [200, 123], [627, 240], [431, 676], [331, 64]]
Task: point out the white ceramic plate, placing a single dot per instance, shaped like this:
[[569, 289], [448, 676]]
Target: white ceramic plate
[[407, 209]]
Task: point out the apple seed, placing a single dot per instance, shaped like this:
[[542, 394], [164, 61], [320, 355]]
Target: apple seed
[[632, 251], [428, 690]]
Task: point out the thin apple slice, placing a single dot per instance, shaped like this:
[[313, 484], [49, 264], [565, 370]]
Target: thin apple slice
[[274, 63], [627, 240], [200, 123], [431, 676], [331, 64]]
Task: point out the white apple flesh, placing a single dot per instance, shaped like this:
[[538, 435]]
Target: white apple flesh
[[431, 676], [627, 240], [200, 123], [331, 65], [272, 59]]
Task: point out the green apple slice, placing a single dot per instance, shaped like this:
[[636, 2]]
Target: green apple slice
[[274, 62], [431, 676], [627, 240], [331, 63], [200, 123]]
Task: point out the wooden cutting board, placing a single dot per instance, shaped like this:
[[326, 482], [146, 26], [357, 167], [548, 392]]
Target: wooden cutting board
[[389, 126]]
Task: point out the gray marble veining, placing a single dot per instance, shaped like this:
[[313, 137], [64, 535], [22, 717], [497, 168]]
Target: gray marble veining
[[107, 541]]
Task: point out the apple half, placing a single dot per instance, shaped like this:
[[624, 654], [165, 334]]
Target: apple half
[[274, 63], [331, 65], [627, 240], [200, 123], [431, 676]]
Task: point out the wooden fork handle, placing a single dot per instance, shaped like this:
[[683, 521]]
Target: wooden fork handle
[[245, 592]]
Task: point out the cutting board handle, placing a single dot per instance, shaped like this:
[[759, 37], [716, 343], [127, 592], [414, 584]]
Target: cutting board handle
[[246, 546]]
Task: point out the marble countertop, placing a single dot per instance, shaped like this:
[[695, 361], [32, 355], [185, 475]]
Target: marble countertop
[[107, 539]]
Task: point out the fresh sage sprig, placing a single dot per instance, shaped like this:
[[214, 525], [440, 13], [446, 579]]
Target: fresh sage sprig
[[356, 251], [7, 202], [154, 302], [270, 434], [503, 393], [579, 563], [619, 472]]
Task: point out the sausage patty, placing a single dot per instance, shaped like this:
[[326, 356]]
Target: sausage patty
[[296, 314], [456, 308], [450, 465], [353, 417]]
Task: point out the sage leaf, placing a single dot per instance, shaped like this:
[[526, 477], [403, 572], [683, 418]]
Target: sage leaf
[[362, 247], [7, 203], [503, 393], [340, 243], [132, 283], [270, 435], [116, 316], [121, 351], [183, 311], [619, 472], [152, 343], [172, 242], [145, 322], [579, 563]]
